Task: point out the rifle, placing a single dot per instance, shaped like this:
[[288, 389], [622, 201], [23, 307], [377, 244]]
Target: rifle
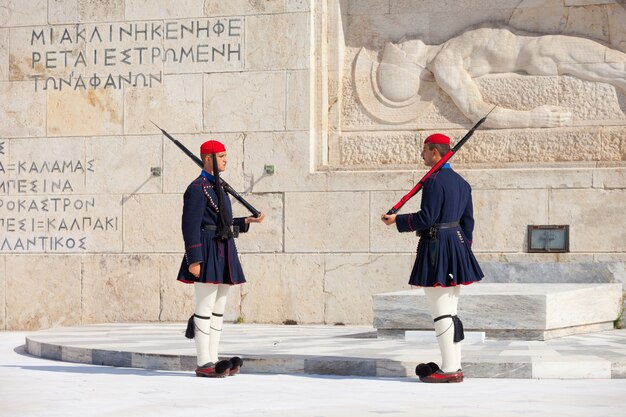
[[437, 166], [198, 162]]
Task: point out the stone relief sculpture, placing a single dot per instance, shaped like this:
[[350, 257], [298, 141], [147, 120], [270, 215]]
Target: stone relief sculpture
[[410, 72]]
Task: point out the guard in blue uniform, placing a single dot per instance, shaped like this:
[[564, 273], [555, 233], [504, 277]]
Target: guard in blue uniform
[[445, 224], [211, 262], [219, 262]]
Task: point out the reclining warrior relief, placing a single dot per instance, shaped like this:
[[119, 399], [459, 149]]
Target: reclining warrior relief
[[410, 73]]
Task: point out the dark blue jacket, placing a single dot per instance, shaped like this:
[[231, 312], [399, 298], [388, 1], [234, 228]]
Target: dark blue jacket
[[219, 258], [445, 257]]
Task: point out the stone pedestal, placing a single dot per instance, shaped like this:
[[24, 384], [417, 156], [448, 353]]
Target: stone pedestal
[[512, 311]]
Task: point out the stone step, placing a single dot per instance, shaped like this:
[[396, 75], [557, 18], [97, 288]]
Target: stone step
[[427, 336], [329, 350], [508, 311]]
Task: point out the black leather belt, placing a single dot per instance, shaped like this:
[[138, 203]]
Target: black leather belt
[[449, 225], [213, 228]]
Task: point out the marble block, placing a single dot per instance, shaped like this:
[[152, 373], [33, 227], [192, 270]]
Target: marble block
[[4, 54], [512, 311]]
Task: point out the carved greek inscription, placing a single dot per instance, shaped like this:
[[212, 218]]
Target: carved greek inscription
[[114, 55], [94, 81], [39, 213]]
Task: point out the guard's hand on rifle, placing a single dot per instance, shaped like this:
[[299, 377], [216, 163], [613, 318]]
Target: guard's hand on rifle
[[194, 269], [388, 218], [253, 219]]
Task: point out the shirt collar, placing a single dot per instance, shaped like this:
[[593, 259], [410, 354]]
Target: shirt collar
[[208, 176], [446, 165]]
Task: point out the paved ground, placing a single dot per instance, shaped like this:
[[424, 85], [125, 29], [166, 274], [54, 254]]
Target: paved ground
[[332, 350], [35, 387]]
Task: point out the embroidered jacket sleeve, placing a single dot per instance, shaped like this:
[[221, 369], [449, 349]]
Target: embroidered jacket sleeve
[[240, 222], [194, 206], [430, 209], [467, 220]]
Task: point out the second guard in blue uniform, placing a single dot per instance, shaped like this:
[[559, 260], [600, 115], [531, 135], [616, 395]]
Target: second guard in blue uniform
[[445, 224]]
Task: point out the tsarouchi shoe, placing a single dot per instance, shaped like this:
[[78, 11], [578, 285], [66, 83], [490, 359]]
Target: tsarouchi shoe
[[214, 370], [236, 364], [443, 377]]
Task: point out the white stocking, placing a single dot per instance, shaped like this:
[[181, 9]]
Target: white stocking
[[217, 319], [205, 300], [443, 302]]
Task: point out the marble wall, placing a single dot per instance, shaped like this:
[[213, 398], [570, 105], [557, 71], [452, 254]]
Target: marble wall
[[91, 192]]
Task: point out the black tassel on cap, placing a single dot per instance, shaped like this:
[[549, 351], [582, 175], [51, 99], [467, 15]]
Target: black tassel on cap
[[224, 231]]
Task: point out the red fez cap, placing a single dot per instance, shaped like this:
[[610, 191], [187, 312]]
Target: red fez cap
[[212, 146], [438, 139]]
